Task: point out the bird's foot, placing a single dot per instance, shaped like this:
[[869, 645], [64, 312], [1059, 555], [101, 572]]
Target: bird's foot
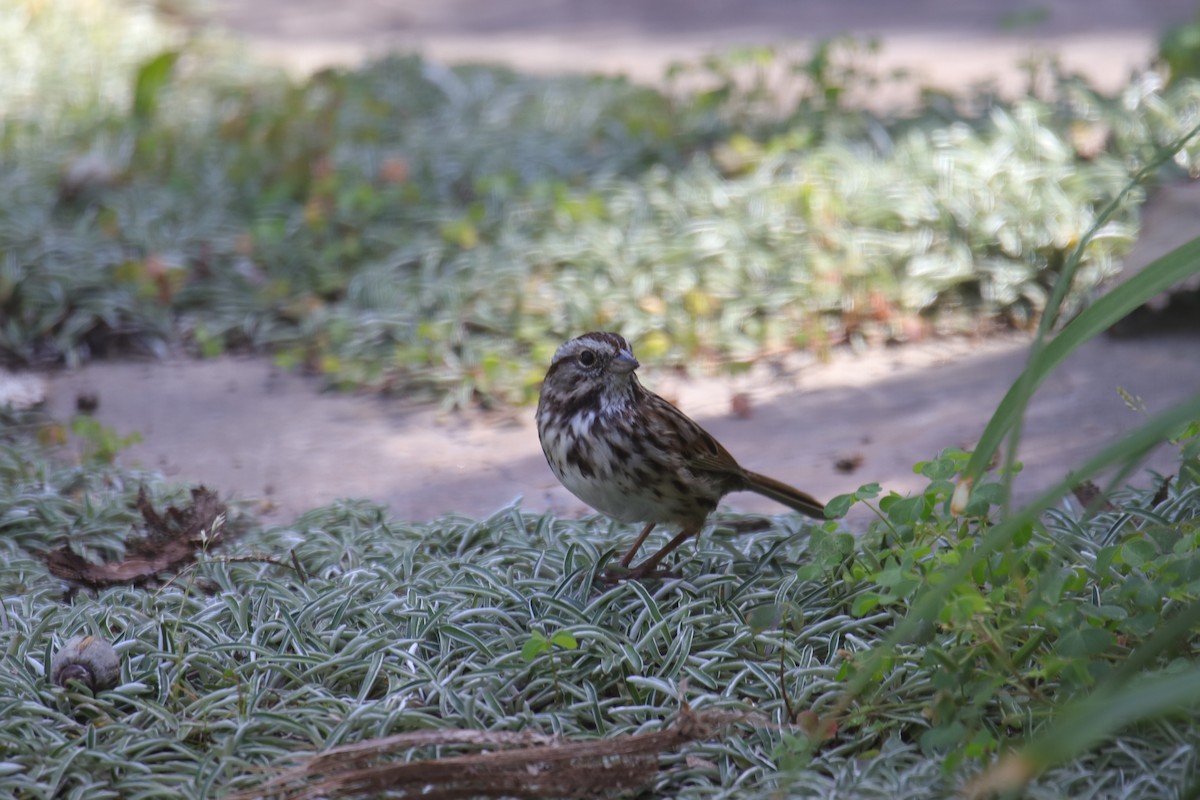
[[618, 572]]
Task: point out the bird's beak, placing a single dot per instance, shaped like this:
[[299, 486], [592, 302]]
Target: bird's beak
[[624, 363]]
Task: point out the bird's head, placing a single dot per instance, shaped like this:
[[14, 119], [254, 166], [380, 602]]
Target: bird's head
[[598, 366]]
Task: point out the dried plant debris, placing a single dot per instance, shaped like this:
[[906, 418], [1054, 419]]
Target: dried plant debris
[[1090, 496], [849, 463], [1163, 492], [505, 764], [741, 406], [170, 543]]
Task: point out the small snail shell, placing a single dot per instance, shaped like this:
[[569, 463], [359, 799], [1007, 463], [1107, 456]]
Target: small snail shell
[[89, 660]]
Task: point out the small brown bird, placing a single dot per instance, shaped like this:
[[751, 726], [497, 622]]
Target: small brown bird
[[630, 454]]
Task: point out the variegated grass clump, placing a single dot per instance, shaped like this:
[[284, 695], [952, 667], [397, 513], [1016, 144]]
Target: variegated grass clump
[[238, 664]]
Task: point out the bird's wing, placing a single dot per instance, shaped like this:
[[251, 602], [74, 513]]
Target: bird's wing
[[708, 455]]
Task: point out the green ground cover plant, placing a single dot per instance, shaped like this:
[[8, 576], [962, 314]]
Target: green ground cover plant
[[239, 662], [395, 227]]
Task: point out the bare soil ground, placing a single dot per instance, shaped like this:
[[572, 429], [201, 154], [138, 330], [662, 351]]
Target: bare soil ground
[[244, 428]]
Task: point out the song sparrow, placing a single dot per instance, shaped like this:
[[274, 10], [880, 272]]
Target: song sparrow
[[630, 454]]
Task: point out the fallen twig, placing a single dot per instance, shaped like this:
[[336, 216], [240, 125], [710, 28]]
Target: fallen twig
[[519, 764]]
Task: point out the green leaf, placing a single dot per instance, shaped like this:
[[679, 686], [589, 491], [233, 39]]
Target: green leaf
[[864, 604], [152, 78], [868, 491], [565, 640], [963, 608], [765, 617], [535, 646], [1104, 612], [907, 510], [838, 506], [1138, 552], [945, 466], [1083, 642], [937, 740]]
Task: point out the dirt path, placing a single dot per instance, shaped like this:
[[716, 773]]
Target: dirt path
[[946, 43], [247, 430]]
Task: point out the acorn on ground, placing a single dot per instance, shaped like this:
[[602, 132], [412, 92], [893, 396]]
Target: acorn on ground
[[89, 660]]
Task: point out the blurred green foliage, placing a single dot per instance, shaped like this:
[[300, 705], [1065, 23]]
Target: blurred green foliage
[[415, 228], [1179, 50]]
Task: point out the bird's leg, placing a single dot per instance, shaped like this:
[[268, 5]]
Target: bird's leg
[[646, 568], [628, 558]]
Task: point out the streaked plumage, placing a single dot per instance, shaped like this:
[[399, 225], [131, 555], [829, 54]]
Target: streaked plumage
[[630, 454]]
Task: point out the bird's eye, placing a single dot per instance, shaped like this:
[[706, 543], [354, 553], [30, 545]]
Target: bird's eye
[[587, 358]]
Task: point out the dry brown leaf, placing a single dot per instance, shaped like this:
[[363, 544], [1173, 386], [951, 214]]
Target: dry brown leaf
[[171, 542]]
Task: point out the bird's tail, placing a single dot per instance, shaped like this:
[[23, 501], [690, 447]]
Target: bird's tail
[[780, 492]]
